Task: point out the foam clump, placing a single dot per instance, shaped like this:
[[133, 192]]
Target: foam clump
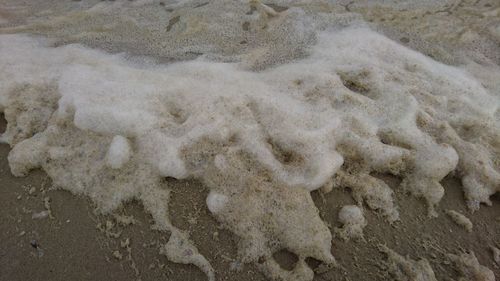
[[460, 220], [177, 250], [27, 111], [353, 222], [470, 268], [405, 268], [216, 202], [118, 153], [496, 254], [356, 105]]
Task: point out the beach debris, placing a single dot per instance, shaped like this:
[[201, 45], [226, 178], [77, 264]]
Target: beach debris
[[40, 215], [117, 255], [39, 251]]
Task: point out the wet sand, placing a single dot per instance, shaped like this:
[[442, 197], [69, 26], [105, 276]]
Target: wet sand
[[75, 244]]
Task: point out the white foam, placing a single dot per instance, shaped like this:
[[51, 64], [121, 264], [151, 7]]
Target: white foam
[[469, 267], [359, 103], [353, 222], [216, 202], [407, 268], [119, 152]]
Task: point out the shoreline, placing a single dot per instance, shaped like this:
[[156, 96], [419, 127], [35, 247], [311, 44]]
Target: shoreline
[[78, 249]]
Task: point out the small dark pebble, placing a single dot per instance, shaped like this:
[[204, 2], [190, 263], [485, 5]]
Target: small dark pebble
[[34, 244]]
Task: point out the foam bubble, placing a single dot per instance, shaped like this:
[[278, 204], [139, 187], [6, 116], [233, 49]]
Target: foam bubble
[[118, 153], [216, 202]]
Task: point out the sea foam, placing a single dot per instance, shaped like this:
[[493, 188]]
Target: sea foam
[[357, 103]]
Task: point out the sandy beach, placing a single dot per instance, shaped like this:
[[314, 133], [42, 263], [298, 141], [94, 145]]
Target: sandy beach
[[280, 140]]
